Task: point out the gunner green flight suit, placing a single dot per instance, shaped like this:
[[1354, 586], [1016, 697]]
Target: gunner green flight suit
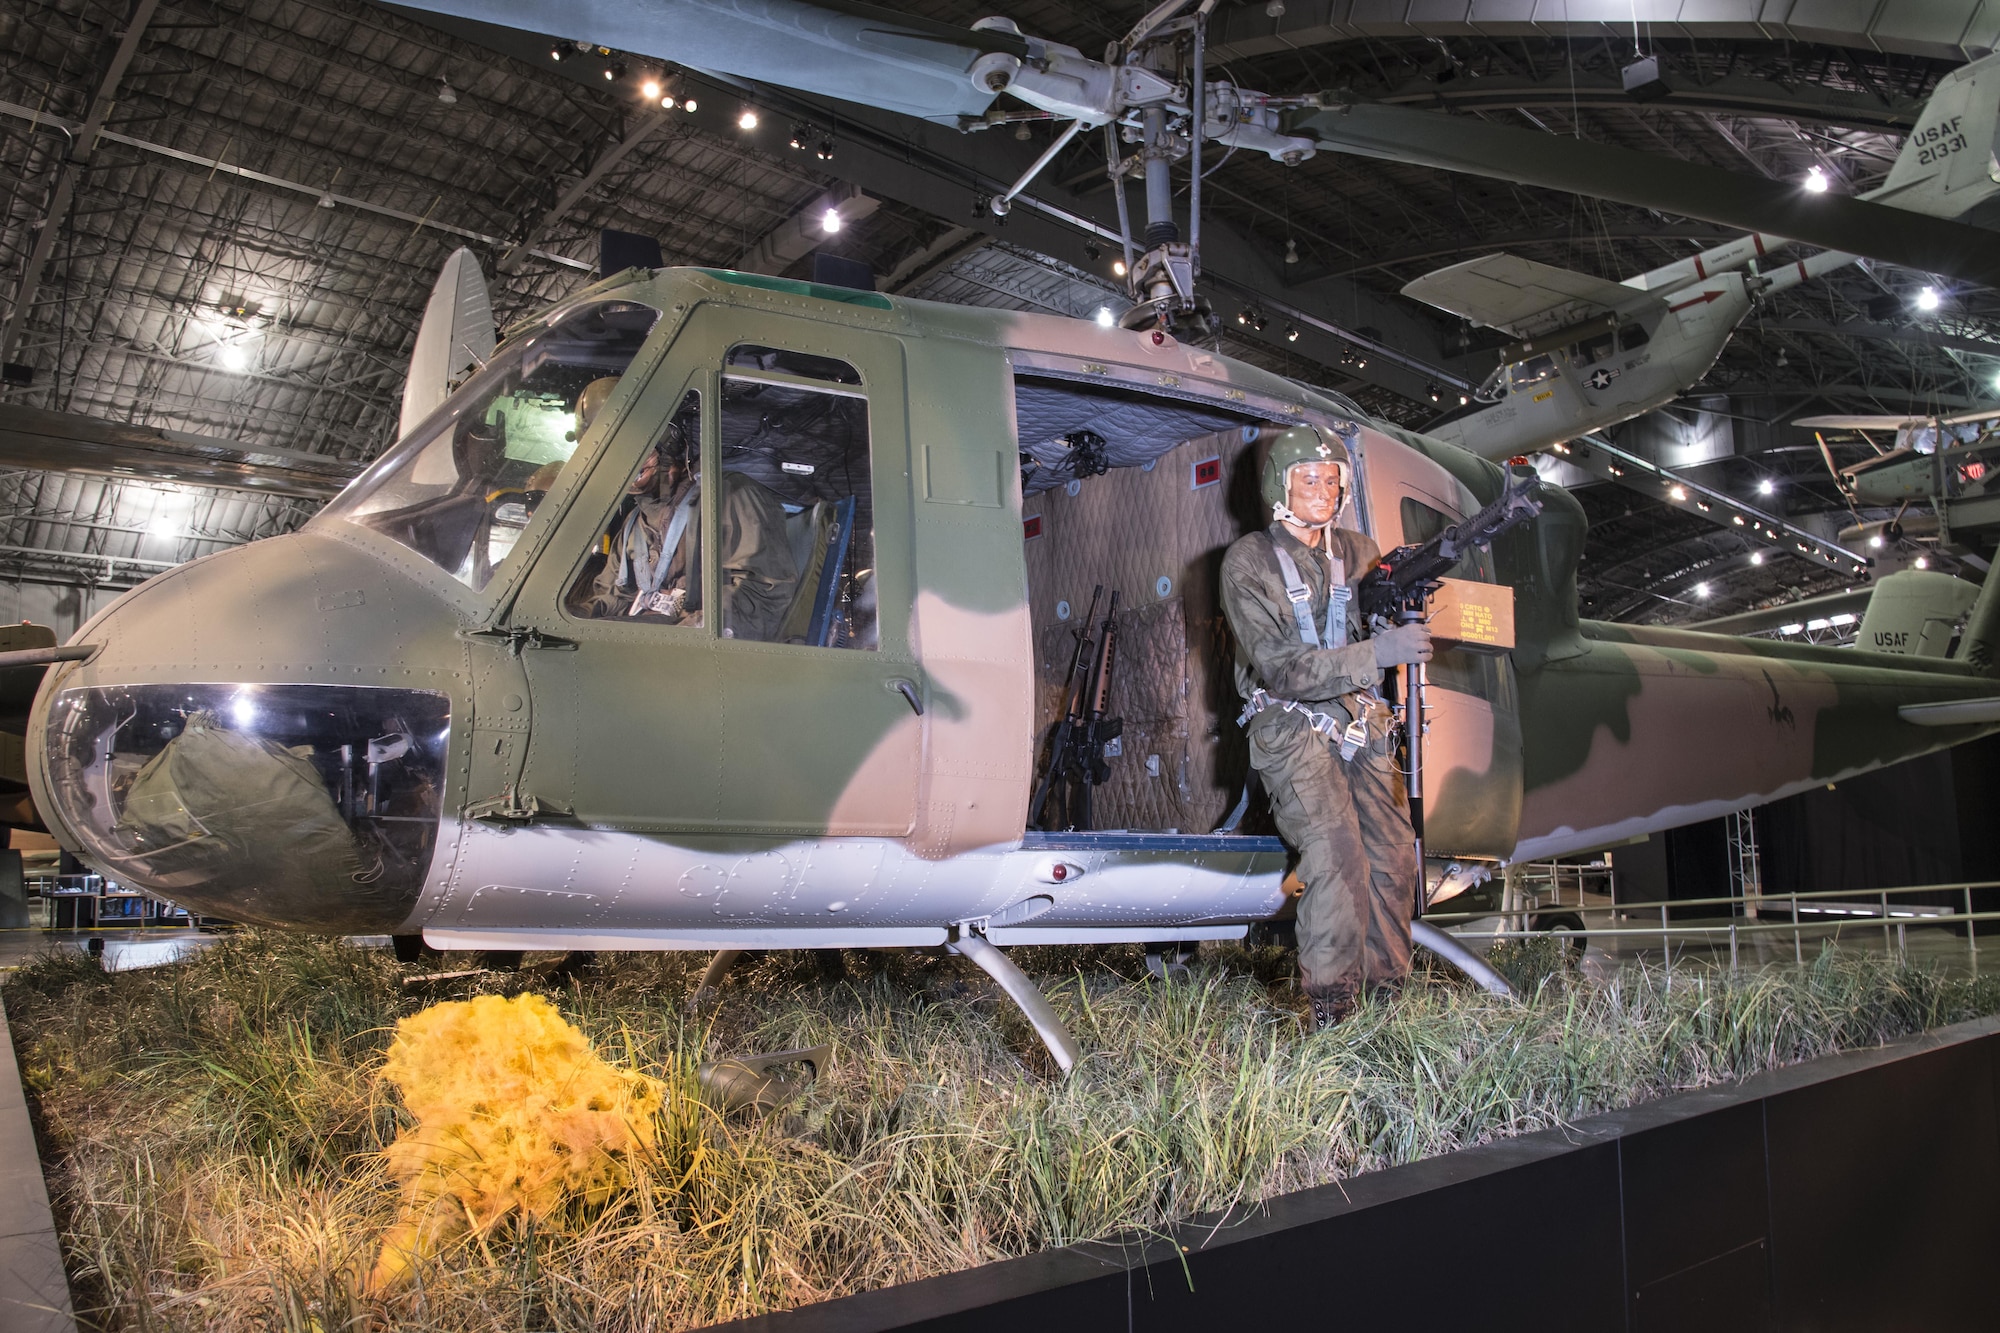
[[1348, 820]]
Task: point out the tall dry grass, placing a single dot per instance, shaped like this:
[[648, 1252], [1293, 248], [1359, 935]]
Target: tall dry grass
[[217, 1130]]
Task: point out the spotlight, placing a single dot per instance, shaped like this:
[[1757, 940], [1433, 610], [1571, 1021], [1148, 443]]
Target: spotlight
[[1361, 363], [1463, 400], [1701, 590], [825, 150], [234, 358], [614, 71], [1677, 493], [1815, 181], [1291, 333], [667, 102], [1922, 563], [1876, 541], [1756, 557], [747, 119], [1765, 486], [1257, 321], [1104, 317], [1436, 393], [446, 93], [1737, 519], [687, 105], [559, 52], [1118, 269], [1927, 299], [829, 221], [1243, 318], [1091, 252], [650, 89], [798, 139]]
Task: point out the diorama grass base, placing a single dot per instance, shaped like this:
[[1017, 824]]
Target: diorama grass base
[[214, 1130]]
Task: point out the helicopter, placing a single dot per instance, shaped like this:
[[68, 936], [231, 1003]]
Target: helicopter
[[400, 719], [1590, 353], [410, 718]]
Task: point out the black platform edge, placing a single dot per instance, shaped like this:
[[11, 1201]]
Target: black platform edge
[[34, 1288], [1852, 1191]]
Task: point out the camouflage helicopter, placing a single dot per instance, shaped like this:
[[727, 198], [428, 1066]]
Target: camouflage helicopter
[[1590, 353], [414, 717], [404, 719]]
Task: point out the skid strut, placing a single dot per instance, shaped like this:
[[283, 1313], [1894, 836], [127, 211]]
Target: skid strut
[[969, 943], [1460, 957]]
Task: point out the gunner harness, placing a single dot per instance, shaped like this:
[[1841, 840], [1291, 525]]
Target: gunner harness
[[1353, 735]]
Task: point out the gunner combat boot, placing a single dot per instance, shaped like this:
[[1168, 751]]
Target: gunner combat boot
[[1330, 1005]]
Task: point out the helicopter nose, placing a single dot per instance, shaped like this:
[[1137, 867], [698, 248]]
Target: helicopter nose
[[306, 806], [195, 755]]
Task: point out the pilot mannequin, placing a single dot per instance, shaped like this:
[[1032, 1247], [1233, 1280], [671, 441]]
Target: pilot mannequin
[[1318, 728], [653, 547]]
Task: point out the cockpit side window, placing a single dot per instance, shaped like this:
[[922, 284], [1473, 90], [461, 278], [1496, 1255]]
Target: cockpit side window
[[1534, 371], [797, 501], [1591, 350], [1630, 337], [461, 489]]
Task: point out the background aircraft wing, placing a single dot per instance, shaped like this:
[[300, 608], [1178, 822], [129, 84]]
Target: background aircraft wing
[[31, 437], [1525, 298], [855, 52], [1836, 421]]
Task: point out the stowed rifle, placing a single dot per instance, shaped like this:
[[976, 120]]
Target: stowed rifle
[[1398, 592], [1076, 749]]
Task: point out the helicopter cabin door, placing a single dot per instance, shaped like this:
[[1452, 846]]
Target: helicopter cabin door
[[1472, 751], [739, 664]]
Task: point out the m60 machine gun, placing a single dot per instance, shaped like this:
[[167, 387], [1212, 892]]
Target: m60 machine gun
[[1398, 592]]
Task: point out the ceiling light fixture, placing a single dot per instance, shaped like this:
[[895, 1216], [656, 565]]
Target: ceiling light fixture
[[446, 93], [1815, 181], [1291, 333], [1291, 251], [614, 71], [1104, 317], [1765, 486], [1677, 493], [1928, 299], [829, 221], [650, 89], [1118, 269], [1756, 557], [233, 358], [825, 150], [1922, 563], [1701, 590], [747, 119]]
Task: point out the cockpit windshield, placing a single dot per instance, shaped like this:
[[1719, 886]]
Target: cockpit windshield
[[460, 489]]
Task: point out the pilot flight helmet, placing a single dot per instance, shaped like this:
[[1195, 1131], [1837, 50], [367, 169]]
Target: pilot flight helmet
[[591, 401], [1303, 444]]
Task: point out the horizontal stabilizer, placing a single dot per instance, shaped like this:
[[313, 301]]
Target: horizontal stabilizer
[[1523, 297], [1952, 713]]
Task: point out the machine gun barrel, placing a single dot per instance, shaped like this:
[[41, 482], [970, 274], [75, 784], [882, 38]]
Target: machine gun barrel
[[1090, 768], [1075, 688], [1406, 577]]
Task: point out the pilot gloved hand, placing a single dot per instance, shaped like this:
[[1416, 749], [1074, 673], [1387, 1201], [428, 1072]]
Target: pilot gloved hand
[[1400, 644]]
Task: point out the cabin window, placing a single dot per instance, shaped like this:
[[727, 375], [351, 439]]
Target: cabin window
[[1630, 337], [1591, 350], [461, 489], [1534, 371], [798, 505]]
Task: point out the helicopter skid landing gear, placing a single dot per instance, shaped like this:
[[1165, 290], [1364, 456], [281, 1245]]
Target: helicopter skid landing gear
[[967, 942], [1169, 960], [1460, 957], [711, 979]]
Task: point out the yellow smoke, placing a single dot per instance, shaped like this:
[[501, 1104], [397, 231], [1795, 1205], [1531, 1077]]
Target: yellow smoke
[[514, 1112]]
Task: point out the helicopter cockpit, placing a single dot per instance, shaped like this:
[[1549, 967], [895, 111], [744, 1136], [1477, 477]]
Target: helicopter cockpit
[[460, 488]]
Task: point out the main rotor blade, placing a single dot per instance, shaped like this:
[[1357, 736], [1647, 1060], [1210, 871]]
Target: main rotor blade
[[855, 52], [1460, 143]]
